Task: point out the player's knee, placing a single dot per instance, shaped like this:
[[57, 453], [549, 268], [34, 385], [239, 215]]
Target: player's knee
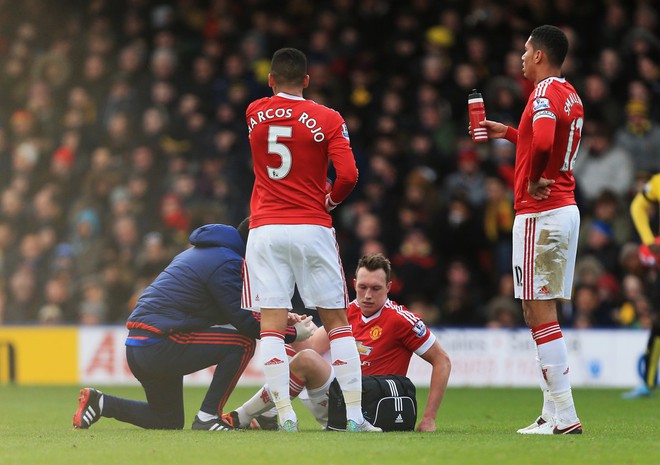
[[304, 361], [171, 422]]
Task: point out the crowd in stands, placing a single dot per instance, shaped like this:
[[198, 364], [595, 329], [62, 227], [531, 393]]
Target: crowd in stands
[[122, 129]]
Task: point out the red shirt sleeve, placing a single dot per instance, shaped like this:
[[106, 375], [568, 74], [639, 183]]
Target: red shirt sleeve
[[341, 155], [412, 330], [543, 138], [511, 135]]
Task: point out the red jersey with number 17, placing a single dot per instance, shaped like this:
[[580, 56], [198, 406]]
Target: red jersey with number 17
[[292, 140], [387, 339], [556, 99]]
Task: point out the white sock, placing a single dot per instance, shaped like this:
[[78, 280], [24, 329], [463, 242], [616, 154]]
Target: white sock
[[256, 405], [317, 401], [203, 416], [554, 365], [270, 413], [276, 370], [548, 409], [565, 407], [346, 362]]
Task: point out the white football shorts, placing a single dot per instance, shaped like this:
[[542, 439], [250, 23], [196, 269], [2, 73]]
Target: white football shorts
[[281, 256], [544, 251]]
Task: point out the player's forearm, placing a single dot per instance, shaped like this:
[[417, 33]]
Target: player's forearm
[[543, 138], [341, 190], [439, 380], [343, 161], [639, 213]]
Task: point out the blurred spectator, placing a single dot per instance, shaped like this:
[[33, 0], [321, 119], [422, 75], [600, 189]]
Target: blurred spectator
[[600, 244], [22, 299], [126, 124], [598, 103], [468, 181], [607, 209], [635, 311], [588, 270], [50, 314], [429, 312], [503, 312], [154, 256], [8, 252], [498, 224], [118, 290], [58, 294], [588, 308], [601, 166], [459, 300], [458, 234], [86, 242], [629, 260], [416, 267], [92, 309], [640, 136]]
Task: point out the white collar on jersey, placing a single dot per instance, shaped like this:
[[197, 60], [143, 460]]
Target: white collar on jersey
[[375, 315], [289, 96], [551, 78]]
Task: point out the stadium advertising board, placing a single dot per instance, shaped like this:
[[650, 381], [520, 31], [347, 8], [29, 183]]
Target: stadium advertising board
[[480, 357], [597, 358], [35, 355]]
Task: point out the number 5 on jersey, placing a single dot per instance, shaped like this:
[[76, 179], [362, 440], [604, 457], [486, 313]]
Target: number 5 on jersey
[[278, 148]]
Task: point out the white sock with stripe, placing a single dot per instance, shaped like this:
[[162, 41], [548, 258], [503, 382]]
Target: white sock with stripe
[[261, 402], [276, 371], [554, 366], [346, 362], [256, 405]]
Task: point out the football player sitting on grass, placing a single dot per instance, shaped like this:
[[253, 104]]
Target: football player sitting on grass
[[386, 334]]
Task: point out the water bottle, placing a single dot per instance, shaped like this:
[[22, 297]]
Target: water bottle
[[477, 113]]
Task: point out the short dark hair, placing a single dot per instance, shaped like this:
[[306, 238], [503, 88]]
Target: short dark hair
[[375, 261], [244, 229], [288, 66], [552, 41]]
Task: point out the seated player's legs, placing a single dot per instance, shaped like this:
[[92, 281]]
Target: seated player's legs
[[308, 370], [318, 375]]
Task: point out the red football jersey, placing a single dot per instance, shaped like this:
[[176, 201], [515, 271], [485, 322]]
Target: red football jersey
[[386, 340], [292, 140], [556, 99]]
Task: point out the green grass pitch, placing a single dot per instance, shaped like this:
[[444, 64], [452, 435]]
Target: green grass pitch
[[475, 426]]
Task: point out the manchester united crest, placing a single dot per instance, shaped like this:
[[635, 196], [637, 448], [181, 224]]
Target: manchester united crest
[[376, 332]]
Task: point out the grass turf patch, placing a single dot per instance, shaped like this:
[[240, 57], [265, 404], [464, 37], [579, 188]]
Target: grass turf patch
[[474, 426]]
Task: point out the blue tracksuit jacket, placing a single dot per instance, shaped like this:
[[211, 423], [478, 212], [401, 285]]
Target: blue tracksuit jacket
[[201, 287]]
